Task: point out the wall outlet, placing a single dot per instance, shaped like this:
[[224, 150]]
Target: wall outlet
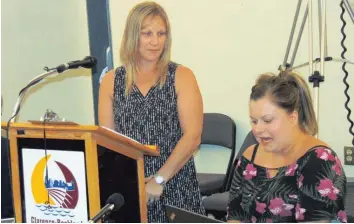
[[349, 155]]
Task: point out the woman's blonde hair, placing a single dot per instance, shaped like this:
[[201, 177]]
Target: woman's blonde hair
[[289, 91], [130, 42]]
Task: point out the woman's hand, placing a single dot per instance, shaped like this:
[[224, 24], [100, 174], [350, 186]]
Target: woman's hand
[[153, 190]]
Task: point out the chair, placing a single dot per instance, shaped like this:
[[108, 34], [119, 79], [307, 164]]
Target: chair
[[218, 130], [349, 202], [6, 190], [216, 204]]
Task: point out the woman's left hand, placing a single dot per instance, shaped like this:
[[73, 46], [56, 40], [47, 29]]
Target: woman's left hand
[[153, 190]]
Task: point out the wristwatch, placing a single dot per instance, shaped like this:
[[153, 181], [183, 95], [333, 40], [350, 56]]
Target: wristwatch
[[159, 179]]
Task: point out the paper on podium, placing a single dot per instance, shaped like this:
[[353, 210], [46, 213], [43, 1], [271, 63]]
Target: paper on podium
[[153, 147], [108, 129]]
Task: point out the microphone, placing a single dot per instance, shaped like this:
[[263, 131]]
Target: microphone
[[113, 203], [87, 62]]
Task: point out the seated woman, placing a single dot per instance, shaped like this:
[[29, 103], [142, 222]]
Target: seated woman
[[290, 175]]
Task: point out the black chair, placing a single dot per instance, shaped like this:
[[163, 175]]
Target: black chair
[[6, 192], [349, 202], [216, 204], [220, 130]]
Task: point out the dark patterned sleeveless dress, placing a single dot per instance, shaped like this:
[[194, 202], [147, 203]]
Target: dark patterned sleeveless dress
[[153, 120]]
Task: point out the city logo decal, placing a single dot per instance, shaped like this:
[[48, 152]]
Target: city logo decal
[[55, 195]]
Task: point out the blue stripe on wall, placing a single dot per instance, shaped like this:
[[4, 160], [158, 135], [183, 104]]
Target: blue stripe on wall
[[100, 43]]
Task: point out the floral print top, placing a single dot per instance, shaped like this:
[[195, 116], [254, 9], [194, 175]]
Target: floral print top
[[312, 189]]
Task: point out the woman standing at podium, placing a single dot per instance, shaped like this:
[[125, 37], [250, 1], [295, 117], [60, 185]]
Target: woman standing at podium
[[156, 102]]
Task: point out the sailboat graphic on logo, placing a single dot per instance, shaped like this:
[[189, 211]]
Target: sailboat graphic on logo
[[54, 195]]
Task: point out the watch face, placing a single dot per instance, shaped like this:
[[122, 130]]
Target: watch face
[[159, 179]]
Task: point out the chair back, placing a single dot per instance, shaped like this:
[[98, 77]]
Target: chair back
[[349, 200], [220, 130], [249, 140]]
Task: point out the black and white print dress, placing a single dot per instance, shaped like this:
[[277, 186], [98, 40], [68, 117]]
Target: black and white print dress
[[153, 120]]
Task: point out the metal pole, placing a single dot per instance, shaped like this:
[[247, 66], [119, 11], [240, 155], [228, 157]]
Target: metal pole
[[292, 33], [299, 37], [349, 9]]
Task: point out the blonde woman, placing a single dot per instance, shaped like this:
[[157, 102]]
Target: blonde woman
[[156, 102]]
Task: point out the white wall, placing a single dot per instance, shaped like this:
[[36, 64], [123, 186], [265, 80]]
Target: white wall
[[41, 33], [228, 43]]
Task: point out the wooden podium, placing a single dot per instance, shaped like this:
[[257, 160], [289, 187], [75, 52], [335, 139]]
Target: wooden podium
[[113, 164]]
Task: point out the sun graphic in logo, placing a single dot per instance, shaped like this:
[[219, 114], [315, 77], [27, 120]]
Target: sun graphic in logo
[[54, 196]]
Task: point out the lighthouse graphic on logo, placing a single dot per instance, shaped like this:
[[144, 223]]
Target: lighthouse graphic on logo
[[55, 193]]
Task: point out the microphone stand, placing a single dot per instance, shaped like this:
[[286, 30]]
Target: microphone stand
[[87, 62], [316, 77], [317, 60], [34, 81], [20, 98], [349, 10], [17, 109]]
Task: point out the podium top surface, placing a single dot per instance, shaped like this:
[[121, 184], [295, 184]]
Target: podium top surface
[[69, 126], [101, 132]]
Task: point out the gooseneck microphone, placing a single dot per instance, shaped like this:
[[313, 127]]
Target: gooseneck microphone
[[87, 62], [113, 203]]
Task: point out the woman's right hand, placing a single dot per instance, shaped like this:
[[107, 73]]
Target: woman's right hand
[[153, 190]]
